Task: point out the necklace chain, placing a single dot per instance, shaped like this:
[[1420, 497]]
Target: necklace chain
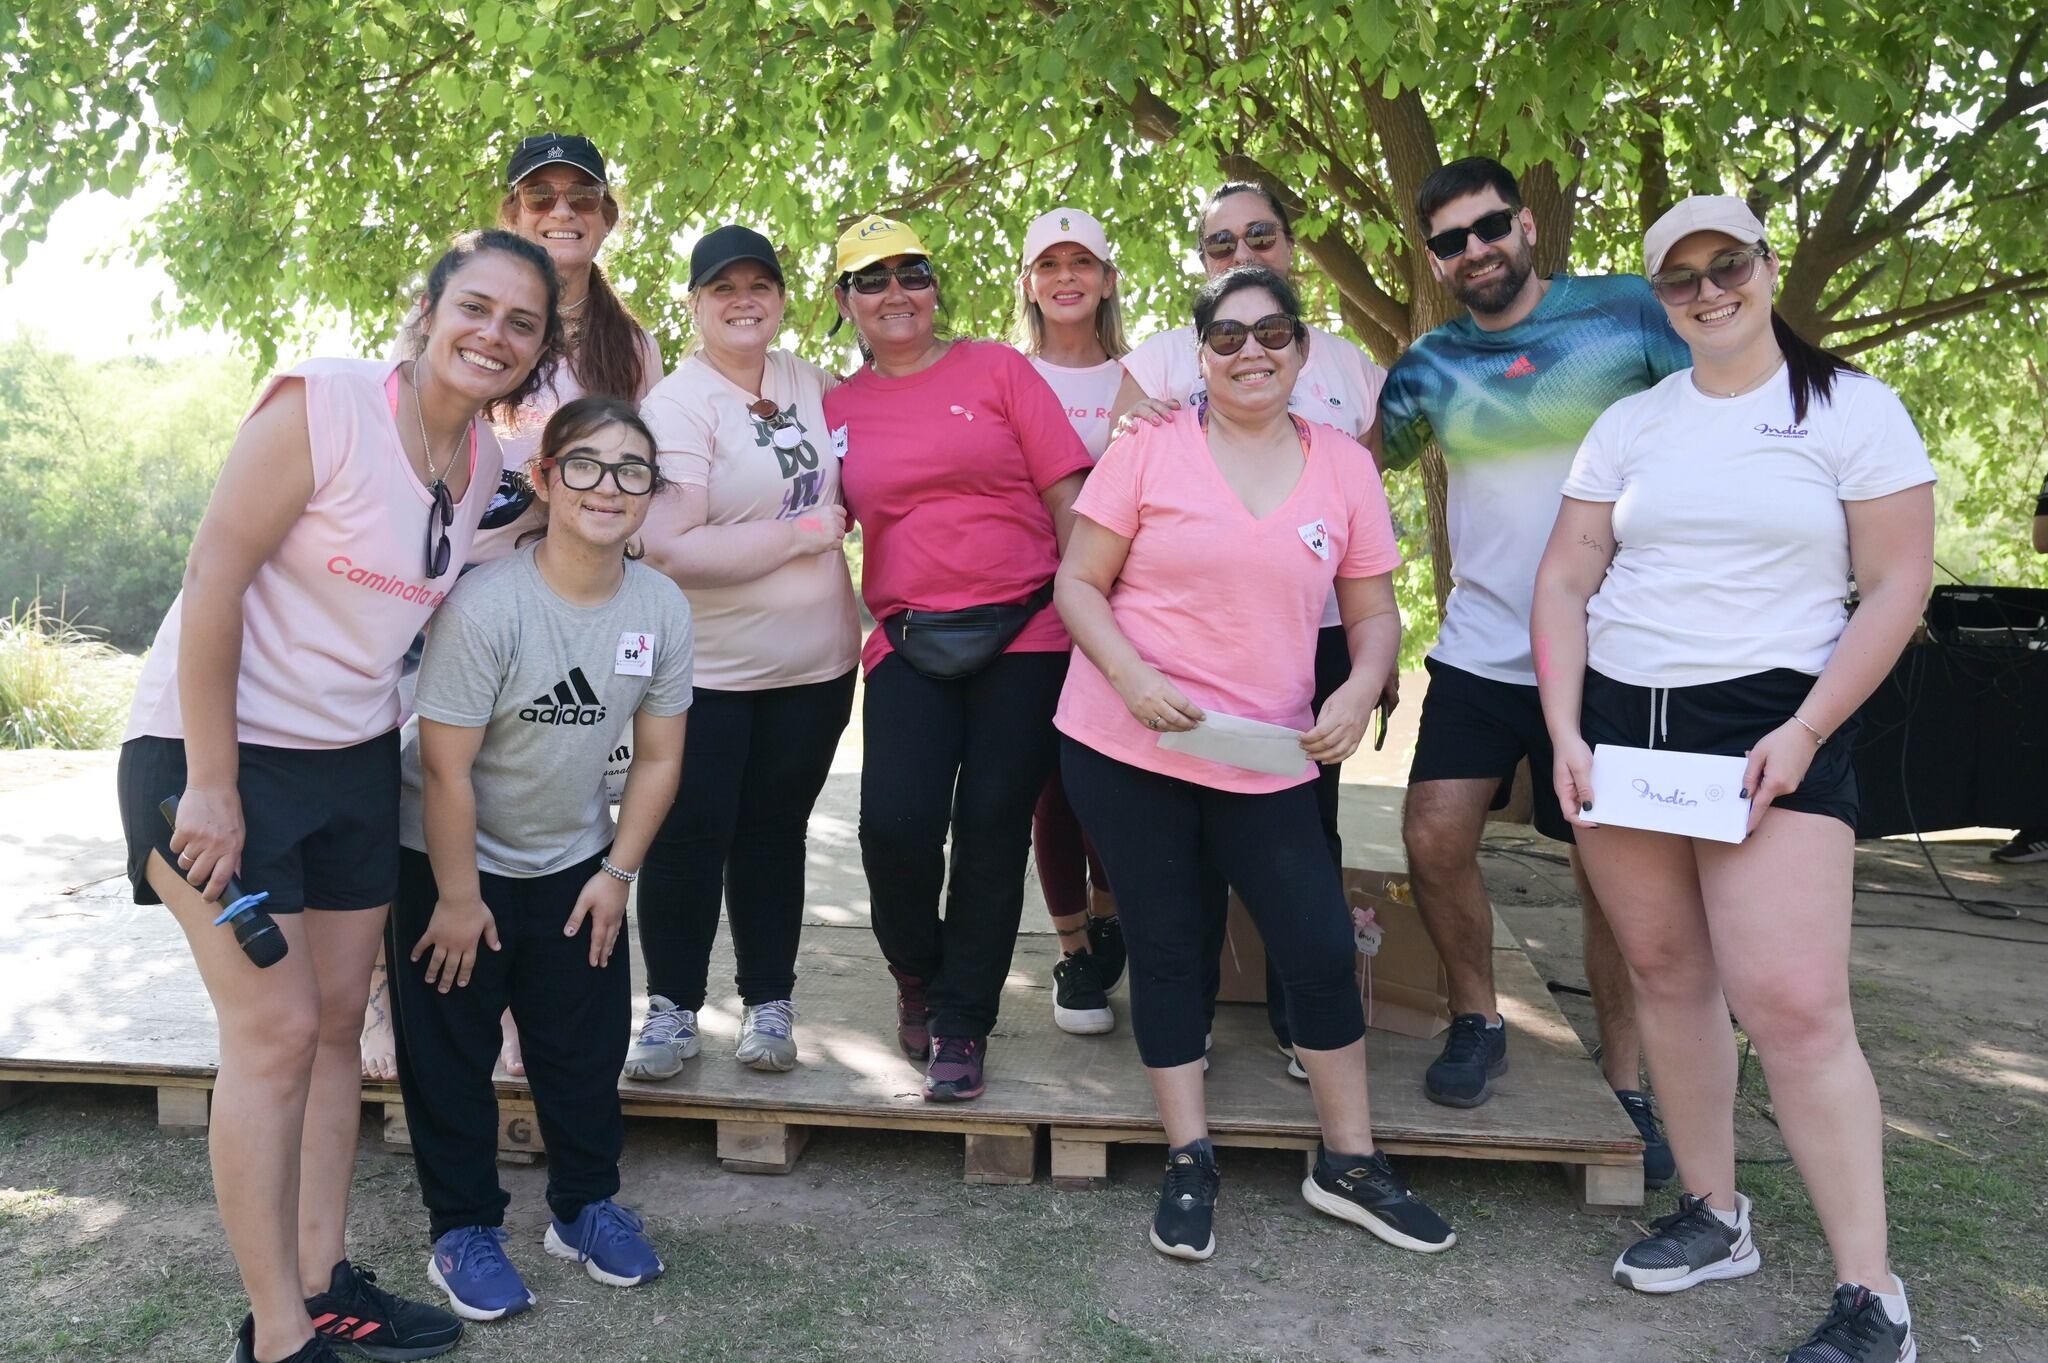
[[426, 446], [1751, 386]]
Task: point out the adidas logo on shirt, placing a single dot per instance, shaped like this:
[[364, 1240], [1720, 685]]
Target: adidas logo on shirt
[[571, 702], [1520, 369]]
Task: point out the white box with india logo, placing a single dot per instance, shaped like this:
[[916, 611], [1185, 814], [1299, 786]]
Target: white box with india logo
[[1695, 795]]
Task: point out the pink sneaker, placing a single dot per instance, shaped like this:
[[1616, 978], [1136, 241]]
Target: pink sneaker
[[913, 1016]]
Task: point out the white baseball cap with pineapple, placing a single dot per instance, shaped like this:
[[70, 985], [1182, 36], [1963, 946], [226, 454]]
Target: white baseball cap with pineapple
[[1048, 230], [1723, 213]]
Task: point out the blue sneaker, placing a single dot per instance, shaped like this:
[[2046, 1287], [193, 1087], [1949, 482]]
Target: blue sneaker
[[606, 1239], [469, 1265], [1659, 1165]]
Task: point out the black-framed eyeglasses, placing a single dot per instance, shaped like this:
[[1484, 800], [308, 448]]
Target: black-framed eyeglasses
[[1449, 244], [1260, 236], [916, 275], [581, 473], [1728, 270], [440, 516], [784, 432], [541, 198], [1275, 331]]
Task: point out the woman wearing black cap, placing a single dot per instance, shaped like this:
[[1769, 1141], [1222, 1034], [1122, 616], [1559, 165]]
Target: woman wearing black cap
[[753, 539], [557, 196]]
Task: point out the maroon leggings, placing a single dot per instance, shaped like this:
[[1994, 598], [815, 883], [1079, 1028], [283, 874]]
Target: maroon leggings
[[1067, 864]]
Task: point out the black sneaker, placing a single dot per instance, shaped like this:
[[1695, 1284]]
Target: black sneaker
[[1372, 1195], [1689, 1247], [1473, 1054], [1184, 1225], [315, 1350], [1659, 1168], [356, 1314], [1857, 1330], [1106, 944], [1080, 1003], [2029, 844]]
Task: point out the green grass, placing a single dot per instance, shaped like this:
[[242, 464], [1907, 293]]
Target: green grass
[[59, 687]]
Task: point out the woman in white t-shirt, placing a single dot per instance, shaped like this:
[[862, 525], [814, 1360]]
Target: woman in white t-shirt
[[753, 538], [1071, 325], [1692, 598]]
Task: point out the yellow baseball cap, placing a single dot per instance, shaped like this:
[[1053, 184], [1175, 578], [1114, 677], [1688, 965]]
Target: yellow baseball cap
[[876, 238]]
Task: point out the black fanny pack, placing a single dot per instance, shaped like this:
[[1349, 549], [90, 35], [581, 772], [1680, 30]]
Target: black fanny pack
[[949, 645]]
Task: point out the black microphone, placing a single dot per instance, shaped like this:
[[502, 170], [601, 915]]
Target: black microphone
[[256, 932]]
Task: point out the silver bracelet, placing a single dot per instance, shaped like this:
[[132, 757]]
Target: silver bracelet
[[605, 864], [1819, 738]]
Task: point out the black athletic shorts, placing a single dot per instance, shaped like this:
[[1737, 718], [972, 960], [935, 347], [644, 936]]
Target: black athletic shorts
[[1727, 719], [1473, 728], [322, 823]]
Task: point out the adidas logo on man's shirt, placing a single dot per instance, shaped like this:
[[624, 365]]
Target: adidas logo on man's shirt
[[1522, 368], [571, 702]]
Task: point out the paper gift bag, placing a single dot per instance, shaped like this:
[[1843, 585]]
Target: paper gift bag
[[1402, 984]]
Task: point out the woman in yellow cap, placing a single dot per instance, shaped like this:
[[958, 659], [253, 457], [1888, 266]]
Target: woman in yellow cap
[[961, 468]]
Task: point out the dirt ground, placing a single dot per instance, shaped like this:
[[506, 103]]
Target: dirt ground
[[874, 1247]]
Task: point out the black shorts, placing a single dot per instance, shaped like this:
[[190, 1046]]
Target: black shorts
[[322, 823], [1727, 719], [1475, 728]]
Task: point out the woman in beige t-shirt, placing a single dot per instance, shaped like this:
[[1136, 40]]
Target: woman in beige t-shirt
[[753, 538]]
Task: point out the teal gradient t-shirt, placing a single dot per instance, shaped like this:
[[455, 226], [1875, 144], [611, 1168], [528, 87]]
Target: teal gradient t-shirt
[[1509, 409]]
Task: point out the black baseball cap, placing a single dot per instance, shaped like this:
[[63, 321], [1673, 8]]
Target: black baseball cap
[[721, 247], [553, 149]]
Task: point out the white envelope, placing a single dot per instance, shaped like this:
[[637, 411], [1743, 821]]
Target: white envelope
[[1688, 793], [1239, 742]]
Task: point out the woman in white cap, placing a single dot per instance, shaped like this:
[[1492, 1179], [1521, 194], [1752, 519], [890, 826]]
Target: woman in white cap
[[1244, 223], [558, 196], [1691, 598], [1071, 326], [753, 538], [962, 468]]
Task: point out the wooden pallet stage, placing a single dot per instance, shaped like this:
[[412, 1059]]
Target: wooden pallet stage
[[96, 990]]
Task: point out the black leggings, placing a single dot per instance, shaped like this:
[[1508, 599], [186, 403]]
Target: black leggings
[[752, 770], [969, 757], [573, 1026], [1161, 838]]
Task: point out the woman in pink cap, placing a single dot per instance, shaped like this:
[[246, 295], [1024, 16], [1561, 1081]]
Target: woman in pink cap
[[1691, 598], [1071, 326]]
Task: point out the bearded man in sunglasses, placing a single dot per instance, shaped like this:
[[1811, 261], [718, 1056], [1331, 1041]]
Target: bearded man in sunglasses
[[1507, 392]]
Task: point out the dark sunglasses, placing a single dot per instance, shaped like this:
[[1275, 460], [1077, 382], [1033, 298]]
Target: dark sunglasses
[[1260, 236], [1275, 331], [1449, 244], [443, 512], [1729, 270], [541, 198], [917, 275], [581, 473], [783, 430]]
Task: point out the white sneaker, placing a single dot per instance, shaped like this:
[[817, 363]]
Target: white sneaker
[[1294, 1069], [768, 1036], [666, 1040]]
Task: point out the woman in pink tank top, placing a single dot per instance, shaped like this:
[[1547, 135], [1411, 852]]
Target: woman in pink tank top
[[269, 709]]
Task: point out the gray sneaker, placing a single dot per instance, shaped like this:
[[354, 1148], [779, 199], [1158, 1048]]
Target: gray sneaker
[[666, 1040], [768, 1036]]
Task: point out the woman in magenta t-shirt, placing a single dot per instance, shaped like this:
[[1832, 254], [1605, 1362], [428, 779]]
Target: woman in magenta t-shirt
[[1071, 325], [270, 706], [961, 468], [1202, 555]]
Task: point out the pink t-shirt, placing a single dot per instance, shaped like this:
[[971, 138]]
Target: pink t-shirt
[[1089, 395], [798, 624], [519, 434], [1338, 386], [944, 469], [1224, 605], [329, 616]]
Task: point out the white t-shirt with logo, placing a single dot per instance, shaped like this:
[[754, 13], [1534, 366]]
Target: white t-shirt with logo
[[554, 687], [1089, 395], [1337, 386], [1732, 544]]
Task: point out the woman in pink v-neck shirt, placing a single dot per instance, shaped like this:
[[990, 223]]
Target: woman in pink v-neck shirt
[[1193, 586], [269, 707]]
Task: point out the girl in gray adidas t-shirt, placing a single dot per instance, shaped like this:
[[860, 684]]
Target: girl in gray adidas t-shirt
[[513, 878]]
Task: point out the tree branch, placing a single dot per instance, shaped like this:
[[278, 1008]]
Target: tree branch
[[1913, 317]]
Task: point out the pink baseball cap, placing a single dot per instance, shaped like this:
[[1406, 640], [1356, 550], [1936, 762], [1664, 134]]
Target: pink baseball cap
[[1064, 224]]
